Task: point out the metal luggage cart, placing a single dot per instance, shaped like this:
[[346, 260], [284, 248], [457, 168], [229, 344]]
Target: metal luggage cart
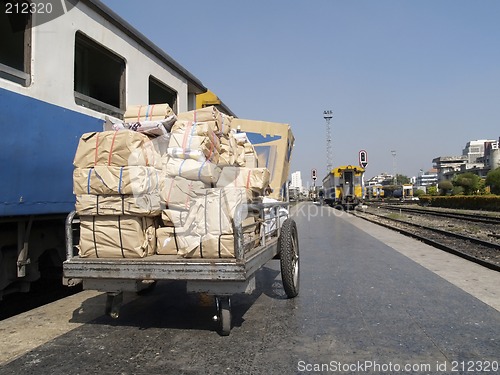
[[218, 277]]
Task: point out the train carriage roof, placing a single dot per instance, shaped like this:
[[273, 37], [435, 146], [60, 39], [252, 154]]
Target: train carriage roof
[[194, 84]]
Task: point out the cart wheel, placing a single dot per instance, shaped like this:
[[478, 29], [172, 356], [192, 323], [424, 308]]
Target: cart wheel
[[289, 255], [113, 303], [224, 315]]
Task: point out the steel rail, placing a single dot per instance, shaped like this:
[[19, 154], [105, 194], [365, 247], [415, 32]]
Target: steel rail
[[452, 215], [434, 243]]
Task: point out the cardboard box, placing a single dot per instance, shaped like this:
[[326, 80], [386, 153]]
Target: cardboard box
[[273, 143]]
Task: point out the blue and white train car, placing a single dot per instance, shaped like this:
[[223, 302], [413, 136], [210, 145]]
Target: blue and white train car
[[59, 78]]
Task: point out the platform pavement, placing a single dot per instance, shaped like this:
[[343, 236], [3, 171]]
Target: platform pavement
[[479, 281], [361, 301]]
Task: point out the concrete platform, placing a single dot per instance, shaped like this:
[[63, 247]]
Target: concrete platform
[[371, 300]]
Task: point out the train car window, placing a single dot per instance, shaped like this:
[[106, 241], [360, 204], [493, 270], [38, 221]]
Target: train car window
[[160, 93], [15, 54], [99, 77]]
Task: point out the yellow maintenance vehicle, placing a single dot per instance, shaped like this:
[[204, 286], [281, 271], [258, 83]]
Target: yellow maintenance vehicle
[[344, 187]]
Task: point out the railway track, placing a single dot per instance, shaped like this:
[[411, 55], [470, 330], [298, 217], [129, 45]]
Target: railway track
[[474, 249], [477, 218]]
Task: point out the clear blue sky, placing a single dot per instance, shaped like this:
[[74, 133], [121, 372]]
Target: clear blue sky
[[420, 77]]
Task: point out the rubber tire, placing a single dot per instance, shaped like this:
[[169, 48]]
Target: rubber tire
[[289, 257], [224, 316]]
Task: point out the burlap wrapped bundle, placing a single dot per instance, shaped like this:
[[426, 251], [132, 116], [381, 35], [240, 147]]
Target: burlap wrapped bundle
[[151, 112], [206, 171], [117, 236], [179, 193], [113, 205], [254, 180], [116, 148], [131, 180], [210, 113]]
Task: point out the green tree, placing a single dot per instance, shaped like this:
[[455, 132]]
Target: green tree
[[445, 187], [468, 181], [402, 179], [493, 181], [482, 186], [418, 193], [432, 190]]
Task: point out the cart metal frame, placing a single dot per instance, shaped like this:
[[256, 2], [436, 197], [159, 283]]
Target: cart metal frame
[[219, 277]]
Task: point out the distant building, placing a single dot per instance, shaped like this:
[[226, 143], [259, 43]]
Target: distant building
[[297, 182], [426, 179], [448, 166], [492, 155], [475, 150], [478, 157], [381, 179]]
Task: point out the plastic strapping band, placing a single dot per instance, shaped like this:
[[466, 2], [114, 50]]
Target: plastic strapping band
[[123, 204], [176, 244], [211, 152], [88, 180], [201, 169], [218, 242], [190, 189], [93, 233], [111, 149], [180, 167], [139, 114], [96, 149], [149, 179], [120, 234], [120, 181], [186, 135], [147, 113], [170, 191], [151, 113], [248, 179]]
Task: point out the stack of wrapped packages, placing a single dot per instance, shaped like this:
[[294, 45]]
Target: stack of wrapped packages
[[206, 187], [180, 193], [116, 181]]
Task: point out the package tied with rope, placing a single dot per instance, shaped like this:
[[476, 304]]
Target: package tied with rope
[[117, 236], [116, 148]]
